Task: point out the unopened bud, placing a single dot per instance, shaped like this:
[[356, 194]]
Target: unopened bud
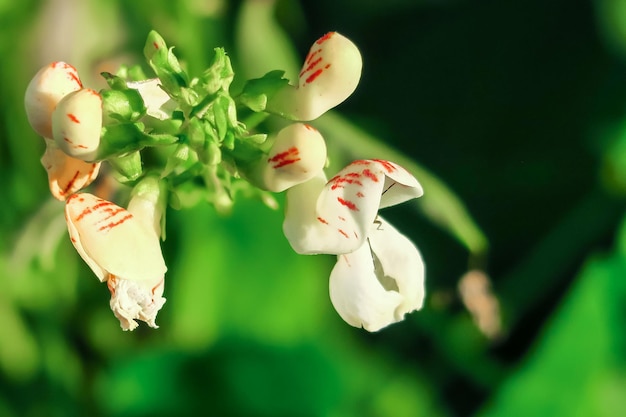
[[77, 122], [45, 90]]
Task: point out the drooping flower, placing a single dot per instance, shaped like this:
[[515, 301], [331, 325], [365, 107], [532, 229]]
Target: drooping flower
[[297, 154], [329, 75], [379, 275], [122, 251], [66, 174]]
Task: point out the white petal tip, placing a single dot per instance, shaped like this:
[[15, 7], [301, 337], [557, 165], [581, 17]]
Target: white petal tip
[[131, 300]]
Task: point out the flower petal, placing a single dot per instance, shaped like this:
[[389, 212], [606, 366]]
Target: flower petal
[[133, 300], [66, 175], [357, 295], [76, 123], [401, 262], [112, 241], [158, 103], [345, 207], [298, 153], [302, 227], [380, 282], [330, 74], [45, 90]]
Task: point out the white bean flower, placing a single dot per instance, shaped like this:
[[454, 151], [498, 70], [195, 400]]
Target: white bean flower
[[379, 275]]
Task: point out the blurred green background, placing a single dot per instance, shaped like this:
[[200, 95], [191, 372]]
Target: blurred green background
[[519, 107]]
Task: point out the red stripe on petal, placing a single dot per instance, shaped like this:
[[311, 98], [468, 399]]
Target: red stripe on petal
[[313, 76], [95, 207], [311, 66], [69, 185], [325, 38], [386, 164], [369, 174], [321, 220], [348, 204], [117, 223]]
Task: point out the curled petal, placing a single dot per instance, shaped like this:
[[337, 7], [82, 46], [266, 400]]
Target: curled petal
[[133, 300], [66, 175], [298, 153], [346, 206], [45, 90], [158, 103], [112, 241], [380, 282], [330, 74], [76, 124]]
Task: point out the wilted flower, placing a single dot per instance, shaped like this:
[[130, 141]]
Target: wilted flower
[[122, 251]]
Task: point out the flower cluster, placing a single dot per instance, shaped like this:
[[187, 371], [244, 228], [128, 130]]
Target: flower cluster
[[192, 129]]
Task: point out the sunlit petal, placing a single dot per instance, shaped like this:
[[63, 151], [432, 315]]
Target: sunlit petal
[[45, 90], [110, 237]]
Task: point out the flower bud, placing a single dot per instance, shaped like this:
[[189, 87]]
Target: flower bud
[[330, 74], [45, 90], [298, 153], [77, 122], [123, 252]]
